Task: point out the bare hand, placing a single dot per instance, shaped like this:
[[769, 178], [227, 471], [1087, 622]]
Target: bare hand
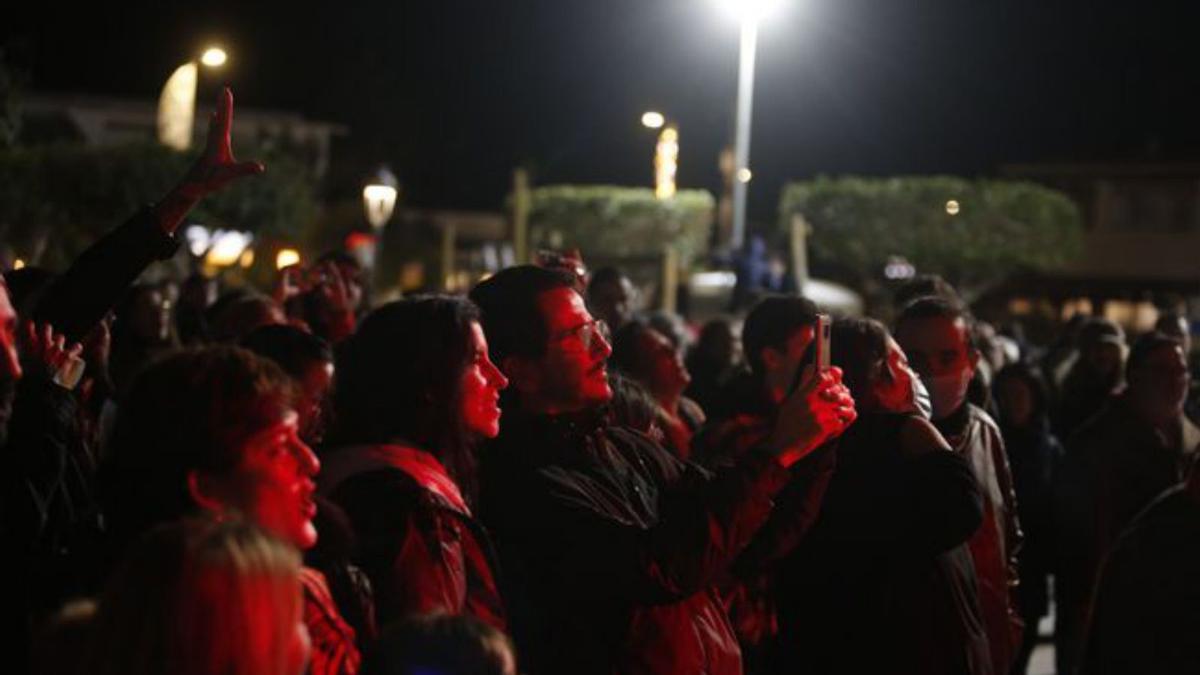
[[217, 167], [47, 350], [820, 409], [288, 284]]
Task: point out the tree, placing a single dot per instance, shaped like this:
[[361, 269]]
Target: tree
[[996, 228], [612, 222], [56, 200]]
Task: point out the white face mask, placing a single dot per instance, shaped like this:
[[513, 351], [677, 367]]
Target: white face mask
[[921, 402], [948, 392]]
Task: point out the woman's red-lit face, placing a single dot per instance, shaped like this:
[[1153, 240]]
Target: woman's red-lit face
[[273, 484], [480, 387]]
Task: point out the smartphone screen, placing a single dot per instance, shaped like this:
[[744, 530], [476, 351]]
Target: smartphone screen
[[818, 350]]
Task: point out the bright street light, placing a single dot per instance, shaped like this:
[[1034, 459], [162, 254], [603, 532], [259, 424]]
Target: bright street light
[[177, 104], [379, 197], [653, 120], [751, 10], [214, 57], [749, 13]]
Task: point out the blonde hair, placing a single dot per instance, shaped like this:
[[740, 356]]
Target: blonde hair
[[201, 597]]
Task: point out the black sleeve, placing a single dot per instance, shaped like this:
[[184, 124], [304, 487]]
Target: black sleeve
[[704, 523], [795, 513], [95, 282], [40, 434]]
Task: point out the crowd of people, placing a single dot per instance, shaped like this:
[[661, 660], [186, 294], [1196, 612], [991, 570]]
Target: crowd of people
[[537, 478]]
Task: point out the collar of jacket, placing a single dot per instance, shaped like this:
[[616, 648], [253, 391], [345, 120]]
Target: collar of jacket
[[955, 424], [571, 425], [418, 464]]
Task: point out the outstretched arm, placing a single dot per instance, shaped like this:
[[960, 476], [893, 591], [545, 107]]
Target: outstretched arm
[[80, 298]]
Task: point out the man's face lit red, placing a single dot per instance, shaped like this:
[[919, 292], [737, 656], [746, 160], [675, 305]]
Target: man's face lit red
[[480, 388], [571, 375], [273, 483]]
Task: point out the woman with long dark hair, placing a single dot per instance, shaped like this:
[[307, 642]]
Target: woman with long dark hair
[[414, 390]]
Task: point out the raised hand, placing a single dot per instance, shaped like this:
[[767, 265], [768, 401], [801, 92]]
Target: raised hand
[[46, 350], [217, 167], [820, 409]]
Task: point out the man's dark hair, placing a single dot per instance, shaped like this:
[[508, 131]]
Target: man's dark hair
[[1144, 347], [512, 320], [192, 410], [292, 349], [772, 322], [924, 285], [856, 345], [626, 348], [937, 307], [602, 276], [399, 378]]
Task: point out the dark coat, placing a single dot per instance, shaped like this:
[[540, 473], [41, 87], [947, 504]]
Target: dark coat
[[613, 545], [1034, 454], [417, 541], [884, 581], [1115, 465], [1147, 608], [751, 594]]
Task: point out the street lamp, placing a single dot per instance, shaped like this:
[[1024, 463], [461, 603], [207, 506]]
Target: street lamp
[[749, 13], [177, 103], [379, 197], [653, 120]]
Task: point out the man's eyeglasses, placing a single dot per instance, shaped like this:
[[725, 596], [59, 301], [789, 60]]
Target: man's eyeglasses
[[586, 332]]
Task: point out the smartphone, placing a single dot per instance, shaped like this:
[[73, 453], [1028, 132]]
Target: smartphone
[[823, 336], [818, 351]]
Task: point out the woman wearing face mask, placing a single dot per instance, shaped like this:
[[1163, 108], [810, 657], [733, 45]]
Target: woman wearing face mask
[[887, 558], [415, 389]]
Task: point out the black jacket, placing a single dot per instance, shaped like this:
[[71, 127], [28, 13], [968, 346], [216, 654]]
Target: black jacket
[[613, 545], [1147, 608], [884, 581]]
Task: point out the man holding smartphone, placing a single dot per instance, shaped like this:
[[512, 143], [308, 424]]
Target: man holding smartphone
[[611, 546], [782, 340]]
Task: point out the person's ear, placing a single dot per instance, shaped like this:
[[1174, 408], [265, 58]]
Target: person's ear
[[772, 359], [973, 357], [522, 374], [203, 489]]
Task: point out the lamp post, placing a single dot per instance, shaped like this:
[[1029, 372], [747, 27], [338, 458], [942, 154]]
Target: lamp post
[[177, 103], [379, 194], [749, 13]]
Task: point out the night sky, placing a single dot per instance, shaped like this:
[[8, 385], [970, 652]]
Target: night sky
[[454, 93]]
